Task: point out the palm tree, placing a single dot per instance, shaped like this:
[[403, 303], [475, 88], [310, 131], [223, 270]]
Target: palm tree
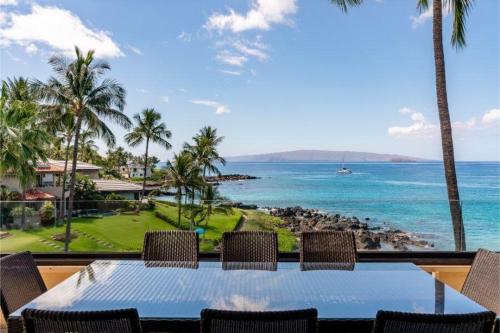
[[212, 203], [195, 182], [205, 150], [22, 140], [79, 88], [88, 147], [460, 9], [179, 173], [67, 122], [148, 127]]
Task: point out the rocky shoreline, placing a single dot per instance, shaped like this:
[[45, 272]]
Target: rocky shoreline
[[228, 178], [298, 219]]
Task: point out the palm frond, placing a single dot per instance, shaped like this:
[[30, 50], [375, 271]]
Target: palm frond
[[422, 5], [345, 4], [461, 10]]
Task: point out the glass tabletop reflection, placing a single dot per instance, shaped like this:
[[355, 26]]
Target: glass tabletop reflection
[[178, 290]]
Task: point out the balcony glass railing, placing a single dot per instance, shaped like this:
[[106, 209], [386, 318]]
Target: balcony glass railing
[[119, 225]]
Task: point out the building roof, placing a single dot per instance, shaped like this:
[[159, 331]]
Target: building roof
[[45, 167], [113, 185], [34, 194], [79, 165]]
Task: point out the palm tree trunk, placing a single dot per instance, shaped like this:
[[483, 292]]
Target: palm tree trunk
[[204, 183], [191, 220], [179, 208], [23, 209], [145, 168], [63, 185], [446, 131], [72, 185]]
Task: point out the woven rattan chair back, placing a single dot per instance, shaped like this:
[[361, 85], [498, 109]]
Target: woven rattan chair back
[[174, 245], [328, 247], [249, 246], [113, 321], [20, 281], [298, 321], [400, 322], [483, 281]]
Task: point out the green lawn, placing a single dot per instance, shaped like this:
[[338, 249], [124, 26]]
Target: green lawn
[[124, 232], [218, 224], [256, 220]]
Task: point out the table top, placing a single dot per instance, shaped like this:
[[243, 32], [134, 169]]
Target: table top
[[182, 290]]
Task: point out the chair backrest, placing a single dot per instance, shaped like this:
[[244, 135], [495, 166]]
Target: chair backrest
[[297, 321], [20, 281], [400, 322], [175, 245], [483, 281], [112, 321], [249, 246], [328, 247]]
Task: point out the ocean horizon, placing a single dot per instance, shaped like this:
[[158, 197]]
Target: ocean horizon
[[410, 196]]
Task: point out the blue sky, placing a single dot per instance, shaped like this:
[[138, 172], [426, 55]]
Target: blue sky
[[276, 75]]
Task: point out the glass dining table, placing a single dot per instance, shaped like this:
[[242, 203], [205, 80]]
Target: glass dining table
[[169, 296]]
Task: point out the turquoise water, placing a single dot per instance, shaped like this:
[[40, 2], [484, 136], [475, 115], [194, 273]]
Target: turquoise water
[[408, 196]]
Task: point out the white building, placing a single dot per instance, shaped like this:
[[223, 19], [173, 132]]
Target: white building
[[135, 171]]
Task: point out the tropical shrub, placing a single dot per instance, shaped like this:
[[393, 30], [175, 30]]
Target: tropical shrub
[[85, 189], [164, 217], [115, 197], [18, 211], [14, 196], [47, 213]]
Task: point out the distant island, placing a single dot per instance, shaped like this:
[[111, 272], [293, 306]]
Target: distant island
[[324, 156]]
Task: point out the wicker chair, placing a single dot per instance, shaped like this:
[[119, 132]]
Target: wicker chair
[[253, 266], [112, 321], [20, 282], [171, 246], [249, 246], [483, 281], [400, 322], [328, 247], [298, 321]]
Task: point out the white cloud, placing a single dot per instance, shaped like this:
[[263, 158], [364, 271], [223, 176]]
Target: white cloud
[[262, 14], [165, 99], [59, 29], [238, 51], [8, 3], [230, 58], [229, 72], [465, 125], [3, 17], [185, 36], [255, 51], [419, 128], [425, 16], [143, 91], [135, 49], [422, 128], [491, 117], [406, 110], [218, 107], [31, 49]]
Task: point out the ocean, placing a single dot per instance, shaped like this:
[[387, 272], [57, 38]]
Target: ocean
[[407, 196]]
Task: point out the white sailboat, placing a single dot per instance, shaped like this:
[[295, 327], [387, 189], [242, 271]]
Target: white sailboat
[[343, 170]]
